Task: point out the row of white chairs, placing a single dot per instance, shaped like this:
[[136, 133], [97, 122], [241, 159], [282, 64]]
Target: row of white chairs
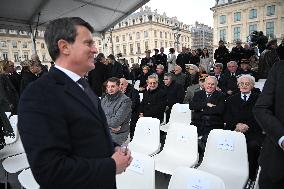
[[225, 153], [14, 158]]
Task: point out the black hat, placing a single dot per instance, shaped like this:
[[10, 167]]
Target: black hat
[[245, 61], [221, 41]]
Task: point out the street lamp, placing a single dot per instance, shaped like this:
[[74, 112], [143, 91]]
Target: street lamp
[[176, 30]]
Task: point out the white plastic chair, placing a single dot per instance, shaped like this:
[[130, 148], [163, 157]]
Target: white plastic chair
[[136, 84], [12, 149], [226, 156], [129, 81], [259, 85], [180, 114], [141, 96], [13, 121], [146, 139], [27, 180], [8, 114], [262, 80], [16, 163], [256, 186], [139, 175], [181, 149], [189, 178]]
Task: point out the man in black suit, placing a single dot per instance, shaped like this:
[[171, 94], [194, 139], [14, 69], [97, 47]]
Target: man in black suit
[[162, 58], [207, 108], [183, 59], [239, 117], [269, 113], [61, 123]]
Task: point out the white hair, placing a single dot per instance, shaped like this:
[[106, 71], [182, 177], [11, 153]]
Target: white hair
[[211, 77], [232, 62], [194, 67], [250, 77]]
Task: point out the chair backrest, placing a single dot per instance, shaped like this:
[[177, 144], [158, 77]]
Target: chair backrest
[[180, 113], [189, 178], [136, 84], [139, 175], [8, 114], [182, 141], [141, 96], [129, 81], [27, 180], [259, 85], [147, 132], [227, 148]]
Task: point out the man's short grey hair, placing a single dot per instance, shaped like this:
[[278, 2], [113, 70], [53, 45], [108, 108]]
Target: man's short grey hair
[[153, 76], [194, 67], [169, 76], [160, 66], [250, 77], [212, 77], [232, 62]]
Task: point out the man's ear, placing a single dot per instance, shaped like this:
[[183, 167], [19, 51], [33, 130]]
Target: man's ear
[[64, 47]]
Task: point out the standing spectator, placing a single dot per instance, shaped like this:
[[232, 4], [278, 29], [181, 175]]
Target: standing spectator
[[267, 58], [175, 93], [217, 71], [9, 97], [237, 52], [148, 61], [254, 63], [171, 60], [117, 108], [133, 94], [239, 117], [155, 57], [178, 76], [228, 80], [115, 69], [221, 55], [248, 51], [30, 75], [154, 100], [14, 76], [162, 59], [98, 76], [182, 59], [246, 69], [194, 59], [269, 113], [135, 72], [206, 60], [261, 42], [280, 50]]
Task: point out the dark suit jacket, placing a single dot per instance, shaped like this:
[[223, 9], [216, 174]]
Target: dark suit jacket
[[269, 112], [204, 117], [97, 77], [66, 138], [228, 82], [240, 111]]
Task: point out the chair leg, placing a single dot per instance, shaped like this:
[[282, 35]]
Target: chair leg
[[6, 180]]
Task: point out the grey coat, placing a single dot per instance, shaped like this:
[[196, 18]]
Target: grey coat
[[117, 108]]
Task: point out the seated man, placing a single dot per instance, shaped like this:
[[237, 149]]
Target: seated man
[[175, 93], [117, 108], [207, 108], [194, 88], [178, 76], [154, 100], [239, 117], [160, 73]]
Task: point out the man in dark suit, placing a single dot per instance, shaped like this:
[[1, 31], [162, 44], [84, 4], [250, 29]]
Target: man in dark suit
[[269, 112], [162, 59], [239, 117], [61, 123]]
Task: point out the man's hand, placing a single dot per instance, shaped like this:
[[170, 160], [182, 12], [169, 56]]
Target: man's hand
[[241, 127], [141, 115], [122, 160], [115, 130], [210, 105], [229, 92]]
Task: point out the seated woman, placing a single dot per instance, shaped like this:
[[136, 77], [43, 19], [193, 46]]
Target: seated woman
[[143, 78], [239, 117], [117, 108]]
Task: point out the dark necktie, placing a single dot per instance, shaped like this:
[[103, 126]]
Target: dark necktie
[[87, 89], [245, 97]]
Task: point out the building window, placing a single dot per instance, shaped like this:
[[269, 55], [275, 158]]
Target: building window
[[237, 33], [131, 48], [14, 44], [137, 35], [223, 19], [100, 42], [16, 56], [124, 49], [132, 60], [123, 37], [43, 58], [3, 31], [270, 10], [146, 45], [270, 29], [223, 35], [5, 55], [3, 44], [156, 44], [130, 37], [145, 34], [171, 44], [252, 27], [13, 32], [252, 14], [42, 45], [237, 16], [161, 44], [161, 34], [166, 35], [26, 55], [138, 48], [117, 39], [117, 49], [166, 44], [155, 33], [25, 45]]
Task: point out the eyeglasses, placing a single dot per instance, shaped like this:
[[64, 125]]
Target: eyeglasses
[[244, 84], [152, 83], [166, 79]]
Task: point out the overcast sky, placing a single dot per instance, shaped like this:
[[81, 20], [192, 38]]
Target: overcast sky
[[187, 11]]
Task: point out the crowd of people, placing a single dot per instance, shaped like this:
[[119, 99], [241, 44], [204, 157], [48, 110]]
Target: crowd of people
[[220, 94]]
